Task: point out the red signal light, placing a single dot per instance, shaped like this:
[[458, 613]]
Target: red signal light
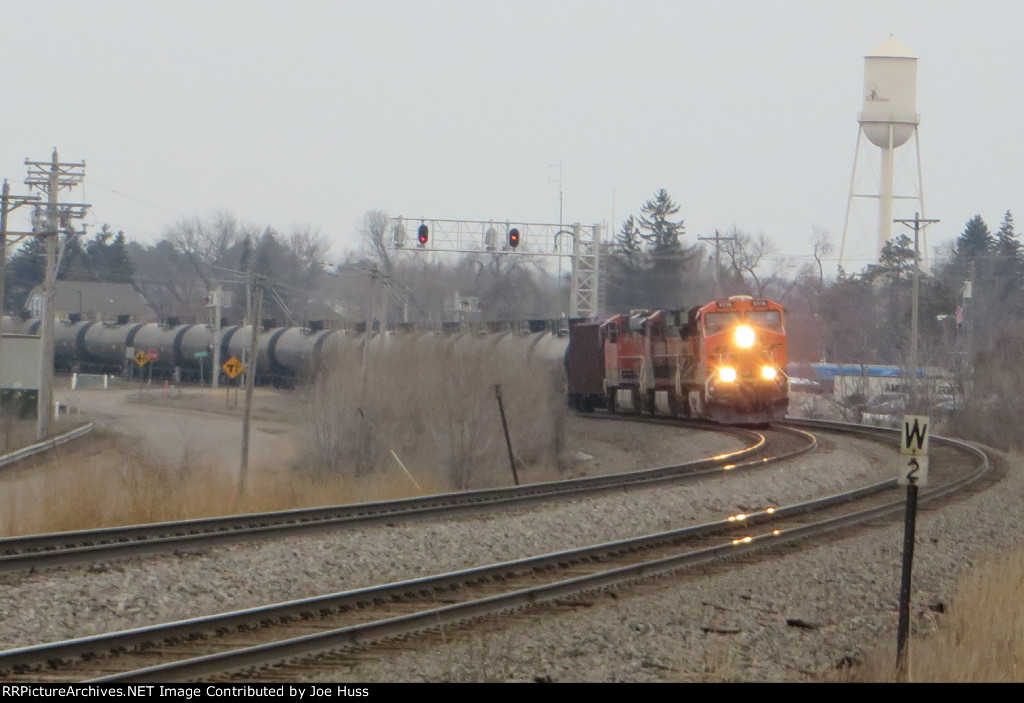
[[423, 234], [513, 237]]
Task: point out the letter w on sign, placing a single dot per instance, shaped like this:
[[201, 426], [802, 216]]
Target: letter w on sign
[[914, 438], [913, 444]]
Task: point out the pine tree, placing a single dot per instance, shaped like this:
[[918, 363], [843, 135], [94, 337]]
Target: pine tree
[[976, 242], [629, 242], [119, 264], [627, 268], [895, 262], [661, 233], [1008, 268], [25, 270]]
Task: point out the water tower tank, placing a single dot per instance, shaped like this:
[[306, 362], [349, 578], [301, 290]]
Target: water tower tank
[[890, 94]]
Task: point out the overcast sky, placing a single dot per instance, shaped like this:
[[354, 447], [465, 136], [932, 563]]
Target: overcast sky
[[312, 113]]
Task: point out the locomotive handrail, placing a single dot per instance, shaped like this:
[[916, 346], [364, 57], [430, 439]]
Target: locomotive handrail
[[630, 357]]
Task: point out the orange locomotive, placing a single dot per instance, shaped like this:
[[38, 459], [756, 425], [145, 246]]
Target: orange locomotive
[[723, 361]]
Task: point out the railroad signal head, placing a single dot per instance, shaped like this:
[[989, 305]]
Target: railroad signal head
[[423, 234], [513, 237]]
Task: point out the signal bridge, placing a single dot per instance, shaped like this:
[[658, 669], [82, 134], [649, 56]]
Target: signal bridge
[[576, 243]]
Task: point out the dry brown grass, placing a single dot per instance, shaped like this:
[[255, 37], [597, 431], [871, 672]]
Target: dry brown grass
[[17, 433], [431, 402], [428, 423], [106, 480], [980, 640]]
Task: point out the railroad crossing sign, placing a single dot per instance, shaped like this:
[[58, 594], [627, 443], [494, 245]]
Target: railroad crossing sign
[[141, 358], [913, 450], [232, 367]]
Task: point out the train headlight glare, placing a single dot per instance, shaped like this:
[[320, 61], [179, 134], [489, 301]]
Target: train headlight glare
[[769, 373], [744, 337], [727, 374]]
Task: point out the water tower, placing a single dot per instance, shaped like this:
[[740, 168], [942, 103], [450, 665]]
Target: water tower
[[889, 119]]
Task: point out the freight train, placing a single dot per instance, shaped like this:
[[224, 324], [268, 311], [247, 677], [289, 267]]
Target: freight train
[[724, 361]]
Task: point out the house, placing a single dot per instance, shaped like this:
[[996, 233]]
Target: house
[[90, 300]]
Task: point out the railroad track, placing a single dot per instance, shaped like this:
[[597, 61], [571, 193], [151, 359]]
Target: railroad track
[[238, 644], [102, 545]]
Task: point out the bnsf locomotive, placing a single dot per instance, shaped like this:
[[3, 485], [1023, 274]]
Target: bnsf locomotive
[[723, 361]]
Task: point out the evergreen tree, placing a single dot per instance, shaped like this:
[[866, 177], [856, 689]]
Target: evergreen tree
[[74, 263], [1009, 266], [96, 252], [895, 262], [647, 263], [119, 263], [629, 242], [669, 260], [626, 269], [657, 229], [976, 242], [25, 270]]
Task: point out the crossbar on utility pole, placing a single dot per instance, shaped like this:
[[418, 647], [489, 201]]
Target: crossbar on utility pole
[[717, 239], [918, 224]]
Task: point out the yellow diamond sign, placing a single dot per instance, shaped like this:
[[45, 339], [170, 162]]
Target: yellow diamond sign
[[142, 358], [232, 367]]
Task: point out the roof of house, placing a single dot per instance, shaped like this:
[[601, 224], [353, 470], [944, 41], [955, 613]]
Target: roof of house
[[97, 298]]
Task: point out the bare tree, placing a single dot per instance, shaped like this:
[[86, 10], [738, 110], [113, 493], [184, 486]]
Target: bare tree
[[744, 254], [822, 247], [375, 235], [205, 244]]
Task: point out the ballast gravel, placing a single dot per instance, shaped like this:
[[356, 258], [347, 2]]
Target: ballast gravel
[[803, 616]]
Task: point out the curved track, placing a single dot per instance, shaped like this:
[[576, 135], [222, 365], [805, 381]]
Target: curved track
[[294, 631], [63, 548]]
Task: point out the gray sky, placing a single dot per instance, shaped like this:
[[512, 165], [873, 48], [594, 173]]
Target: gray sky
[[312, 113]]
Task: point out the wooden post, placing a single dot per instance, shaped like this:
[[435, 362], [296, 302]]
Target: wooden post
[[508, 441]]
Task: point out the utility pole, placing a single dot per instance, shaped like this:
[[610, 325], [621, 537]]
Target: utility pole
[[362, 447], [717, 239], [8, 203], [250, 379], [918, 224], [49, 178], [217, 306]]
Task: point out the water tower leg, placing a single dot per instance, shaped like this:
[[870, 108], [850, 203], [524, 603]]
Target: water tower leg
[[849, 199], [885, 194]]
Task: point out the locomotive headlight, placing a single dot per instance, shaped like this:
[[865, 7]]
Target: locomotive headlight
[[744, 337], [769, 373], [727, 374]]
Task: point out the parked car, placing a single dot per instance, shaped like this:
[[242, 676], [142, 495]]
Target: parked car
[[885, 410]]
